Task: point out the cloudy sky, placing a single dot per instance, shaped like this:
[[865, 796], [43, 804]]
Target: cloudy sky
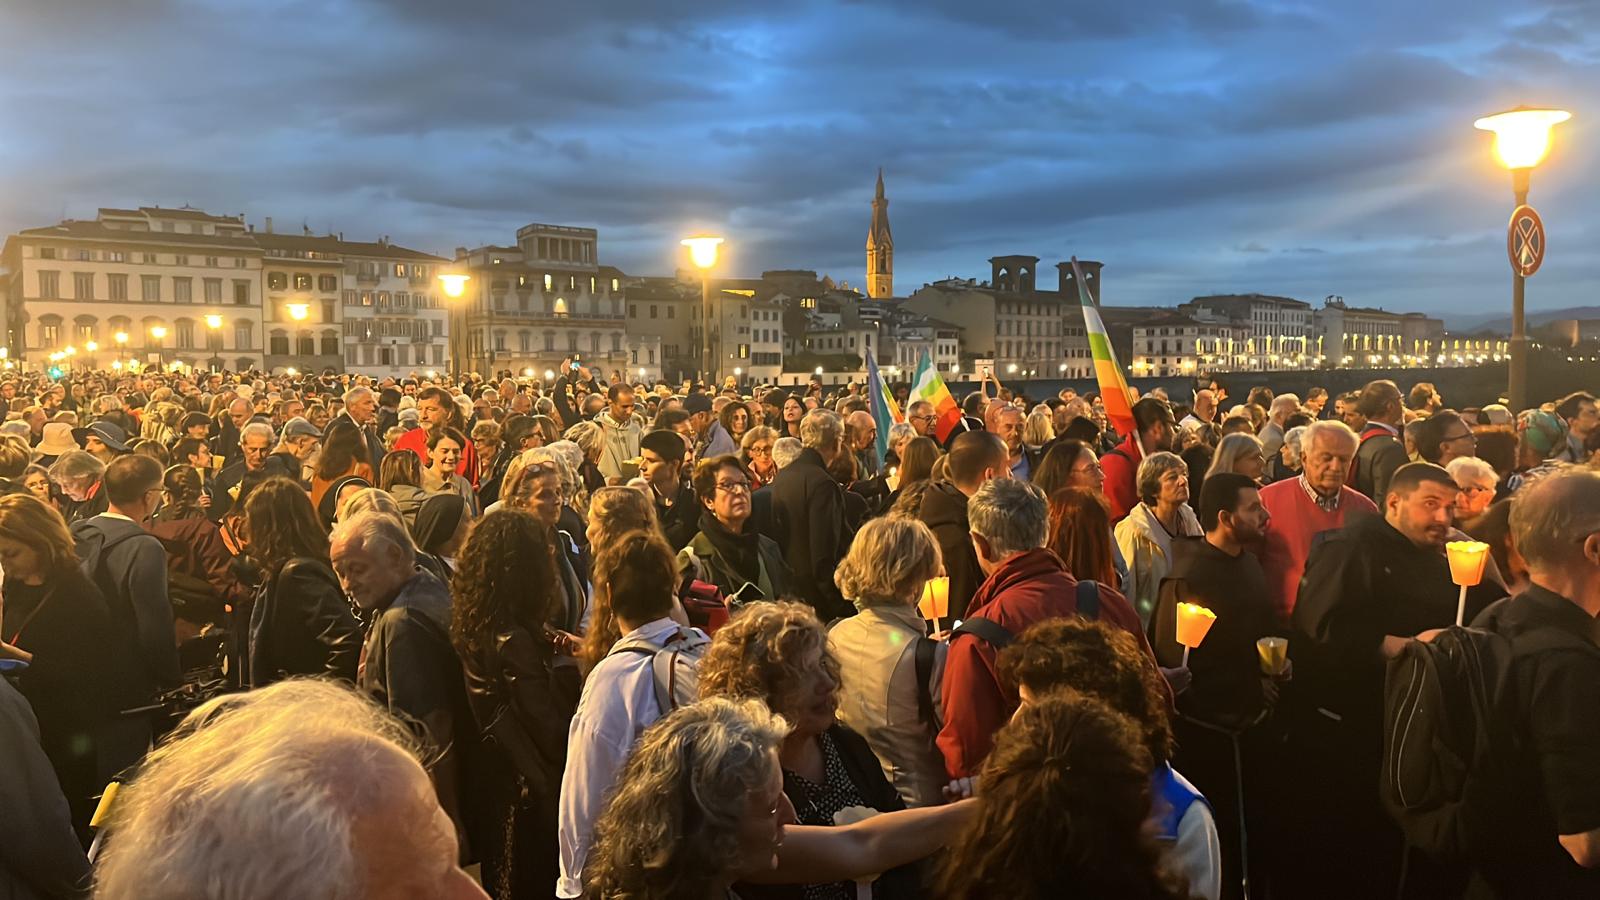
[[1196, 146]]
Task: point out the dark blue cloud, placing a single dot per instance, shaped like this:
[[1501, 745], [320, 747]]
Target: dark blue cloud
[[1193, 145]]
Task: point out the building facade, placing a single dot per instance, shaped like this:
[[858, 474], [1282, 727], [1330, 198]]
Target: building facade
[[147, 286], [1026, 331], [373, 308], [531, 305], [1178, 345]]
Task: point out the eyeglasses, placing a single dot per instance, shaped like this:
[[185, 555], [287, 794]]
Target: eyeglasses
[[759, 450], [1461, 437], [733, 487]]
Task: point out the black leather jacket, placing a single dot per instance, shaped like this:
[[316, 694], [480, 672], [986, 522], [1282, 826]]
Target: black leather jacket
[[302, 625], [523, 702]]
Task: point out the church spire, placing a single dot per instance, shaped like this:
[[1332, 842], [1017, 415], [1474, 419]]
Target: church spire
[[880, 247]]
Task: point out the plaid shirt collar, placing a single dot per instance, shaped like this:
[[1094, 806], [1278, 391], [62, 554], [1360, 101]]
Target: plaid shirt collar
[[1326, 504]]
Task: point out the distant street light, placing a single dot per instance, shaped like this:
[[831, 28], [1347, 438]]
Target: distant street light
[[214, 322], [455, 284], [1521, 140], [703, 253], [299, 311], [159, 332]]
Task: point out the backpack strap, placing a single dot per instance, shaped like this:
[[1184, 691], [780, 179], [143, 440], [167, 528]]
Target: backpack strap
[[987, 629], [923, 658], [1088, 600], [664, 662]]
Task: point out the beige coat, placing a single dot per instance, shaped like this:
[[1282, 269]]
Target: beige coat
[[878, 699]]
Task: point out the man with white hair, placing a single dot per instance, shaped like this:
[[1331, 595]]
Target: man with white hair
[[1283, 406], [318, 792], [255, 448], [408, 664], [1025, 584], [1302, 508]]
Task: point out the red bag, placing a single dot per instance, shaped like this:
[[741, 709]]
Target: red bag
[[703, 603]]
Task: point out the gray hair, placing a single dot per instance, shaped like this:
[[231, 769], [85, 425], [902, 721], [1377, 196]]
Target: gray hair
[[355, 393], [1011, 515], [821, 429], [1152, 467], [694, 770], [1291, 446], [371, 526], [75, 464], [288, 769], [1331, 427], [372, 499], [587, 435], [544, 406], [253, 429], [900, 431], [1549, 519], [567, 475], [785, 450], [1470, 470]]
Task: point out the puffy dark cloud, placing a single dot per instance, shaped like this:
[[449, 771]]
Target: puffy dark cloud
[[1193, 145]]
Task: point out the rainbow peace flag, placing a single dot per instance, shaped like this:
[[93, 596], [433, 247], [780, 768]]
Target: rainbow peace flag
[[930, 387], [885, 412], [1113, 387]]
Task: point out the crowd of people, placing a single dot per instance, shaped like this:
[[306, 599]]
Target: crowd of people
[[339, 637]]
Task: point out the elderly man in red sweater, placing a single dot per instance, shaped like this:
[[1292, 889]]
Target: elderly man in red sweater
[[1157, 429], [1025, 584], [1302, 508]]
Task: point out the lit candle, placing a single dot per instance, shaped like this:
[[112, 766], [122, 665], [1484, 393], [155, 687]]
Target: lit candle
[[1194, 621], [935, 602], [1467, 560]]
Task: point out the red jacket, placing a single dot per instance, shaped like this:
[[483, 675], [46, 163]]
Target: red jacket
[[1024, 590], [1120, 466]]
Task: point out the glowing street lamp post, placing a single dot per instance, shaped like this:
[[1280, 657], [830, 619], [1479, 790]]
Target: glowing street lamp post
[[703, 253], [1521, 140], [455, 284], [214, 322], [159, 332]]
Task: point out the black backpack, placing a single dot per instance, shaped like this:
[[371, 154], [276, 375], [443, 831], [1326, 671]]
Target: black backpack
[[1449, 736]]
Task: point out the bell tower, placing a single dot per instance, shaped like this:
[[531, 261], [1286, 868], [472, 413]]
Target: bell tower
[[880, 248]]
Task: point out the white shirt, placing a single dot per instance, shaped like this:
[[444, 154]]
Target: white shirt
[[618, 703]]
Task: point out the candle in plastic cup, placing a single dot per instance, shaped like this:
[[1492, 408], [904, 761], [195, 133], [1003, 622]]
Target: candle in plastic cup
[[1274, 653], [1467, 559], [935, 602], [1193, 623]]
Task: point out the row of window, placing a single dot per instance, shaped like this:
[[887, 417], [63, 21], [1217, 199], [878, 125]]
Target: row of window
[[302, 281], [367, 329], [181, 334], [525, 341], [633, 311], [85, 284], [80, 254], [559, 307], [571, 282], [391, 355], [305, 344], [383, 300]]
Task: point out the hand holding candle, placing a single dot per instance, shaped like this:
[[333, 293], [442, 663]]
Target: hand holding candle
[[935, 602], [1467, 561], [1193, 623]]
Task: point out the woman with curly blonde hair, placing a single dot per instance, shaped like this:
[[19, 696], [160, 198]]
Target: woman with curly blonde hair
[[888, 664], [1066, 793], [700, 808], [778, 653]]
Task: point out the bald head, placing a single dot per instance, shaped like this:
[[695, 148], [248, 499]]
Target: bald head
[[861, 430]]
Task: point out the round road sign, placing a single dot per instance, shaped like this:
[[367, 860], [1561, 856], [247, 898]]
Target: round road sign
[[1525, 241]]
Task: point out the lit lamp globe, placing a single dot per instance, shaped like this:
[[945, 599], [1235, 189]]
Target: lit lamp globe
[[702, 250], [158, 332], [91, 347], [121, 337], [454, 283], [1522, 135], [213, 321], [299, 311]]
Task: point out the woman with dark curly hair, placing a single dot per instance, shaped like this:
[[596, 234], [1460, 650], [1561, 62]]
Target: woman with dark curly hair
[[778, 653], [1066, 793], [1106, 663], [522, 691], [301, 623]]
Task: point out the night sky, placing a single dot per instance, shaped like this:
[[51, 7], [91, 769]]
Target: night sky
[[1195, 146]]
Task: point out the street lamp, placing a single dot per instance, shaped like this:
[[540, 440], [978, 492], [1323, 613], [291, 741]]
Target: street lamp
[[214, 322], [159, 332], [1521, 140], [299, 311], [455, 285], [703, 253], [121, 338]]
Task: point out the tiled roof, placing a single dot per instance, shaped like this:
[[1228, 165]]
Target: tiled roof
[[331, 244], [76, 229]]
